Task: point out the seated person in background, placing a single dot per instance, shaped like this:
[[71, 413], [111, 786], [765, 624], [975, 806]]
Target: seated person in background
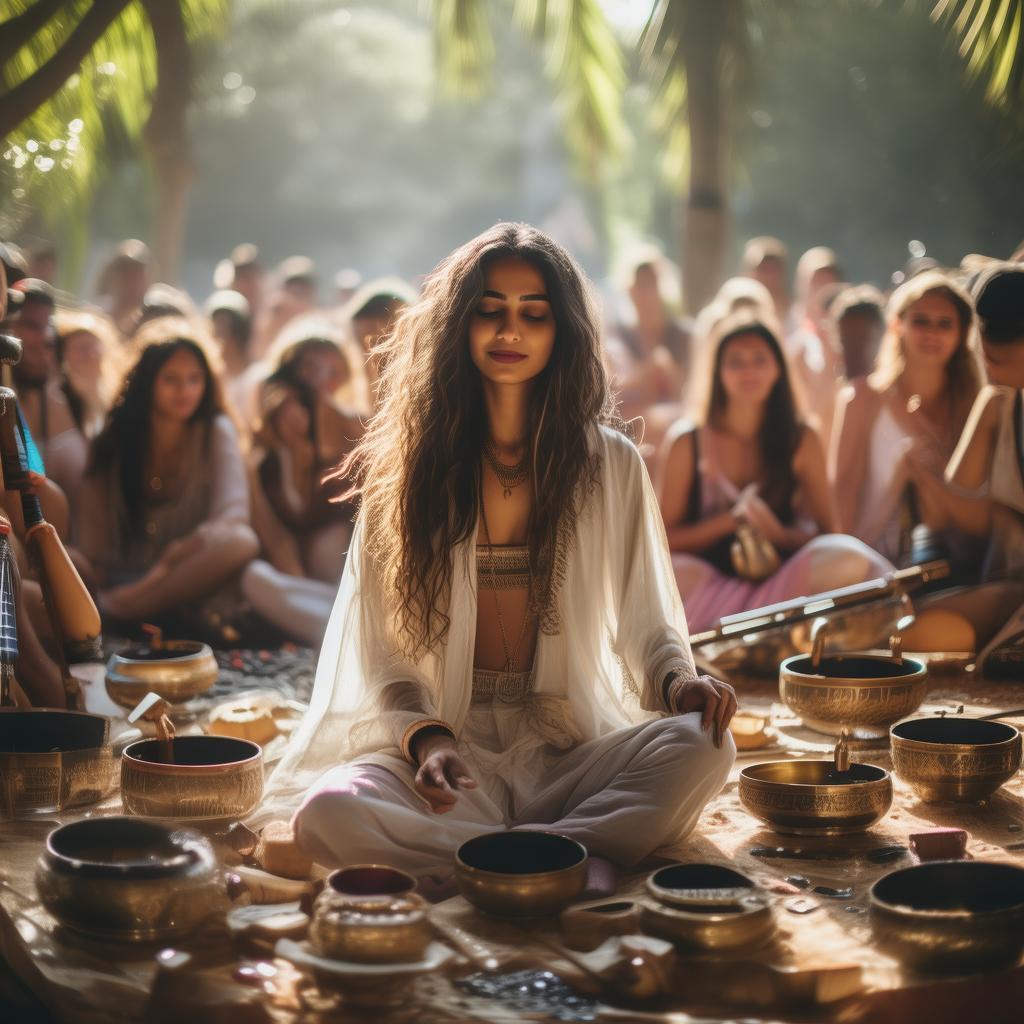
[[304, 535], [765, 260], [231, 327], [755, 461], [122, 284], [88, 357], [163, 512], [856, 325], [649, 350], [983, 490], [508, 646], [242, 272], [917, 398]]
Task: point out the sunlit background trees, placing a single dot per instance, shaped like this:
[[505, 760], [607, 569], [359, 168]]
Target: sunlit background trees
[[379, 134]]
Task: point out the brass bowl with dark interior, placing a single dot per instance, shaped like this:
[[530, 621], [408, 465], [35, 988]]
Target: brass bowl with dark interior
[[211, 777], [810, 798], [178, 670], [859, 693], [954, 758], [745, 921], [951, 916], [689, 885], [53, 760], [521, 873], [129, 880]]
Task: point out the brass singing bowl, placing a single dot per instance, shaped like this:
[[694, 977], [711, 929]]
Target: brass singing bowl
[[358, 880], [745, 921], [951, 915], [129, 880], [861, 693], [212, 777], [688, 885], [52, 760], [961, 759], [808, 798], [178, 670], [370, 929], [521, 873]]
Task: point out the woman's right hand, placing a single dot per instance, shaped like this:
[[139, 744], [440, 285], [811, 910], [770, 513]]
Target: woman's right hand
[[442, 772]]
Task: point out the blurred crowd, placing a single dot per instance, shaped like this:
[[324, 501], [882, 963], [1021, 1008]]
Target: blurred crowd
[[804, 432]]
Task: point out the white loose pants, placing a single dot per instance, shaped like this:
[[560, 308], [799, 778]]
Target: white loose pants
[[621, 796]]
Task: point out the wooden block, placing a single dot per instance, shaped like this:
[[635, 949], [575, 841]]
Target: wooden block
[[940, 844], [278, 853]]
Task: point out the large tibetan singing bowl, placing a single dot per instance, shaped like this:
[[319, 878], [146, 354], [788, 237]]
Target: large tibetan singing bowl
[[129, 880], [53, 760], [521, 874], [862, 693], [951, 915], [212, 777], [959, 759], [178, 670], [810, 798]]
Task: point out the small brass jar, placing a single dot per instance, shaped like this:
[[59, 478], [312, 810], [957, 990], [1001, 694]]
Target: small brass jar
[[370, 929]]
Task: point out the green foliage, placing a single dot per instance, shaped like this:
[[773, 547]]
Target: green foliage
[[991, 40], [53, 161]]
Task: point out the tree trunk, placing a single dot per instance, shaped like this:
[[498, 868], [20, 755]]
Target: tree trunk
[[702, 217], [166, 136]]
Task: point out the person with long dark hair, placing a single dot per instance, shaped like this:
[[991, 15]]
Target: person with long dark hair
[[751, 475], [164, 508], [508, 646]]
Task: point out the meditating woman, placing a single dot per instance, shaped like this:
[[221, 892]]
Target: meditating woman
[[164, 509], [508, 647], [916, 400], [752, 477]]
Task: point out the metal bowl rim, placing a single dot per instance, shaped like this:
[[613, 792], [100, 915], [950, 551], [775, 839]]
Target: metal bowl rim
[[903, 911], [926, 746], [128, 759], [811, 788], [483, 873], [846, 682]]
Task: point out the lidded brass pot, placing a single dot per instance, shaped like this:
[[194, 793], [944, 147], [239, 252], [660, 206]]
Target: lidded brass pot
[[955, 758], [129, 880], [862, 693], [178, 670], [210, 778], [817, 798]]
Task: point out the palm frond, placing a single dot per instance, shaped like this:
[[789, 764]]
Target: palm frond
[[463, 46], [990, 37], [587, 64]]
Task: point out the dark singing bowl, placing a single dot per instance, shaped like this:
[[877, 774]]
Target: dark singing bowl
[[864, 693], [951, 915], [809, 798], [51, 760], [688, 885], [129, 880], [211, 777], [521, 874], [959, 759]]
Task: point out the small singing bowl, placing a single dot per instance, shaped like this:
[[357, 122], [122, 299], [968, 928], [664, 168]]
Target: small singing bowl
[[178, 670], [743, 922], [521, 873], [129, 880], [951, 915], [861, 693], [370, 929], [212, 777], [960, 759], [370, 880], [809, 798], [52, 760], [689, 885]]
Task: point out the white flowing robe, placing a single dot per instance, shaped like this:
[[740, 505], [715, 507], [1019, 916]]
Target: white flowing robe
[[621, 629]]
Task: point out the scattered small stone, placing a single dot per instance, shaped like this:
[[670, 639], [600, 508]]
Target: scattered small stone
[[854, 909], [802, 905], [799, 881], [884, 854], [1014, 828], [533, 992], [834, 894]]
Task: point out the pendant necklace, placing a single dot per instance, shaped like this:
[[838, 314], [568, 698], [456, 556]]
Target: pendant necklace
[[508, 476]]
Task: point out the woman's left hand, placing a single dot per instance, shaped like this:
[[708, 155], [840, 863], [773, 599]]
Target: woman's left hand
[[714, 699]]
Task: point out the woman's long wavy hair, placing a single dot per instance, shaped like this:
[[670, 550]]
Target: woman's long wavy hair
[[963, 371], [121, 447], [417, 469], [783, 421]]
